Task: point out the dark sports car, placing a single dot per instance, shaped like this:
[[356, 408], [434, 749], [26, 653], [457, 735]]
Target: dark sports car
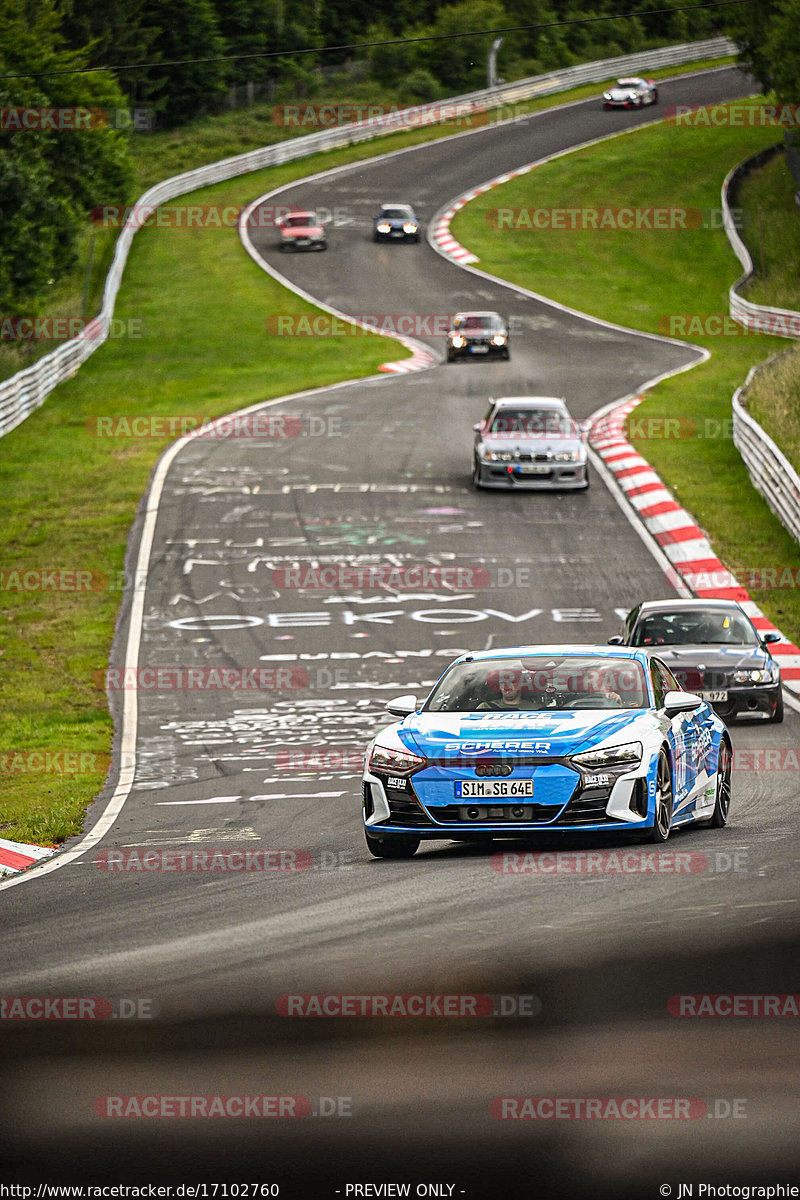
[[396, 222], [474, 334], [714, 650]]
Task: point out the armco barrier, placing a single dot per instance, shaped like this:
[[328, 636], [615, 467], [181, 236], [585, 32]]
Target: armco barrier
[[781, 322], [22, 393], [770, 471]]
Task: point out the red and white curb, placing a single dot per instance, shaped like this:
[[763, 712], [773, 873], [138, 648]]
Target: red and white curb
[[17, 856], [420, 360], [441, 236], [678, 534]]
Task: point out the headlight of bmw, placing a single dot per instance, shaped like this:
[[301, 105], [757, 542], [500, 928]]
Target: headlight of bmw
[[499, 339], [498, 456], [628, 756], [384, 227], [409, 227], [567, 456], [754, 676], [398, 762], [457, 340]]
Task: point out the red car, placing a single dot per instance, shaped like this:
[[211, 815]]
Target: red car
[[301, 230]]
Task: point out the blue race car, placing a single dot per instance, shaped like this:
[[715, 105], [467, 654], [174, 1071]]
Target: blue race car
[[546, 739]]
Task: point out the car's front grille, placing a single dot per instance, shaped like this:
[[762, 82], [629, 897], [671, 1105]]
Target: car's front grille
[[450, 814]]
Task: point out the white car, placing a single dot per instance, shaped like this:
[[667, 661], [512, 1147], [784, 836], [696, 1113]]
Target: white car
[[631, 93], [529, 442]]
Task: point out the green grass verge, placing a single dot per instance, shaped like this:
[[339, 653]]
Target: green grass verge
[[773, 398], [770, 227], [158, 156], [67, 499], [637, 279]]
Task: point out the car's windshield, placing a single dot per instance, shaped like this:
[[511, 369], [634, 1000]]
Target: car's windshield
[[300, 219], [396, 214], [538, 682], [698, 627], [532, 422], [476, 323]]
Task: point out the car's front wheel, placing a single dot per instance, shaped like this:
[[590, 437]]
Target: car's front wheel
[[662, 820], [722, 804], [655, 95], [476, 473], [399, 845]]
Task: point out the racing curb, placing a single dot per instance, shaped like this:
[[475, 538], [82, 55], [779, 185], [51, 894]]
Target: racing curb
[[678, 534], [18, 856]]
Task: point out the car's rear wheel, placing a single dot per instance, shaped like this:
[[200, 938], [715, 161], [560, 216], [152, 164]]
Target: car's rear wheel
[[722, 804], [400, 845], [655, 96], [662, 822]]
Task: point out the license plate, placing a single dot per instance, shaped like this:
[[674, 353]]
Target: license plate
[[303, 242], [479, 349], [491, 789], [533, 469], [714, 697], [397, 233]]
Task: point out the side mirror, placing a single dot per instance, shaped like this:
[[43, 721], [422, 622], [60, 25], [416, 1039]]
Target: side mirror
[[770, 637], [681, 702], [478, 427], [616, 640], [402, 706]]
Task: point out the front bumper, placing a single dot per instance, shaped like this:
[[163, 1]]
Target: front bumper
[[748, 702], [564, 804], [477, 349], [569, 476]]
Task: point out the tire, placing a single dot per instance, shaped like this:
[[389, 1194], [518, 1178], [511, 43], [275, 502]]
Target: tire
[[722, 803], [506, 354], [398, 845], [655, 96], [323, 245], [662, 823], [777, 716], [476, 475], [451, 356]]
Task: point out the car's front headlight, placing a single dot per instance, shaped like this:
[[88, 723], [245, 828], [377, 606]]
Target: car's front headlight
[[384, 227], [567, 456], [457, 340], [606, 95], [499, 339], [628, 756], [754, 676], [398, 762], [409, 227], [498, 456]]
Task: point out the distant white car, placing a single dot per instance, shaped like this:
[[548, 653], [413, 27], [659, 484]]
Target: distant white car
[[529, 442], [631, 93]]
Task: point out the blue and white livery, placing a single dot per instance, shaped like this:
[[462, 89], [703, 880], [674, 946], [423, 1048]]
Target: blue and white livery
[[546, 739]]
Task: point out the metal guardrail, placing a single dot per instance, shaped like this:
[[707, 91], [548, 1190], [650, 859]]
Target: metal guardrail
[[24, 392], [782, 322], [770, 470]]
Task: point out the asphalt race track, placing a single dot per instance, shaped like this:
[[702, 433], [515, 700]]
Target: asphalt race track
[[378, 473]]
